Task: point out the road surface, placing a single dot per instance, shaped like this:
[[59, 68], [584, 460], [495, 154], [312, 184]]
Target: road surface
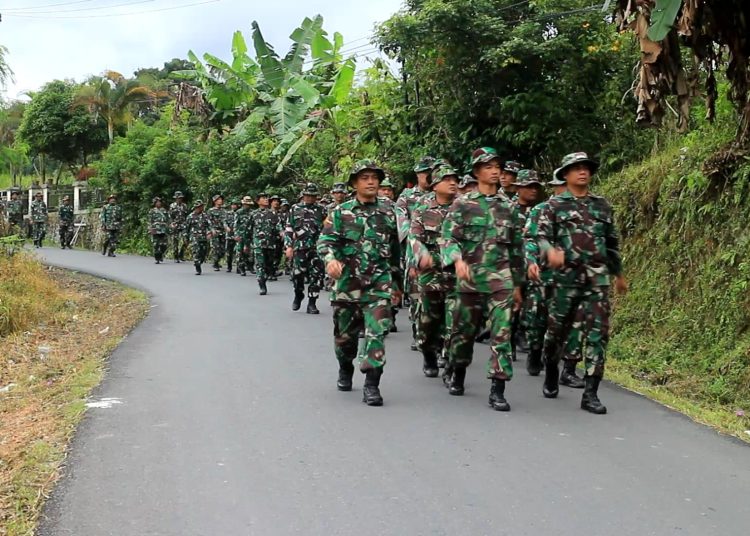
[[229, 423]]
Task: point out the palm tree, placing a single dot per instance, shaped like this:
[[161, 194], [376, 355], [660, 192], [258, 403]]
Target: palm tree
[[111, 96]]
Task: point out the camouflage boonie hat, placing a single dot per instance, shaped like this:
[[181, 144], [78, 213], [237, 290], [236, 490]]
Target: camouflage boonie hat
[[386, 183], [275, 198], [198, 203], [178, 194], [426, 163], [262, 194], [247, 200], [441, 172], [155, 199], [365, 165], [484, 155], [215, 197], [339, 188], [555, 181], [512, 166], [284, 202], [234, 201], [466, 180], [311, 189], [527, 177], [572, 159]]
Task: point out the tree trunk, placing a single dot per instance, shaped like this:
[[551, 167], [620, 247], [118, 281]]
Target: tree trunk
[[110, 130]]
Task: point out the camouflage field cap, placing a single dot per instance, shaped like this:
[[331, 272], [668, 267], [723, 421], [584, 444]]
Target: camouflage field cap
[[247, 200], [442, 172], [284, 202], [366, 165], [262, 194], [386, 183], [155, 199], [528, 177], [339, 188], [311, 189], [234, 201], [216, 197], [483, 155], [573, 159], [466, 180], [179, 194], [511, 166], [198, 203], [426, 163], [275, 197]]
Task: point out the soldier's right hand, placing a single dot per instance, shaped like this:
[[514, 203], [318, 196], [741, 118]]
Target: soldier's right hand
[[425, 262], [334, 268], [463, 270], [289, 253], [556, 258], [533, 272]]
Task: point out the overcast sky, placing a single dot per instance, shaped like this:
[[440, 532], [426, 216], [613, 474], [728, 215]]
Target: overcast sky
[[49, 39]]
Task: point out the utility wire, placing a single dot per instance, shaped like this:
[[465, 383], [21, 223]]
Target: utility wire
[[124, 4], [46, 5], [109, 15]]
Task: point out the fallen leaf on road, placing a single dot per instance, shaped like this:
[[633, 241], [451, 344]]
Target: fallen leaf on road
[[104, 331]]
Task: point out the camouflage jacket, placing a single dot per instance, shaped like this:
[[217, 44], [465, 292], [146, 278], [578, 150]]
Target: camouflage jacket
[[218, 218], [158, 221], [197, 227], [15, 210], [178, 213], [424, 239], [531, 245], [242, 224], [38, 211], [484, 231], [229, 222], [304, 225], [584, 229], [66, 214], [364, 238], [111, 217], [266, 228], [405, 205]]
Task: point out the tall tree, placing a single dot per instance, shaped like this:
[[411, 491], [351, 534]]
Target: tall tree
[[6, 73]]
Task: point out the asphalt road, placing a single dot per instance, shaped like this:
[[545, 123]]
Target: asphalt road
[[230, 424]]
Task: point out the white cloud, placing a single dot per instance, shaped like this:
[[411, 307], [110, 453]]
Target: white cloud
[[57, 47]]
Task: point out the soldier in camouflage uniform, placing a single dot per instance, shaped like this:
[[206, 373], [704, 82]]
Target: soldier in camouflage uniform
[[405, 205], [279, 243], [386, 189], [467, 185], [242, 236], [361, 250], [339, 192], [229, 245], [158, 228], [284, 212], [508, 178], [578, 236], [111, 218], [66, 215], [481, 237], [266, 231], [15, 211], [436, 284], [198, 230], [39, 219], [178, 213], [217, 215], [300, 239]]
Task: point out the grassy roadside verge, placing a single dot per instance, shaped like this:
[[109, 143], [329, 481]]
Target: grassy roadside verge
[[57, 330]]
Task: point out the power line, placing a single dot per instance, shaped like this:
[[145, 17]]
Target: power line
[[86, 8], [109, 15], [47, 5]]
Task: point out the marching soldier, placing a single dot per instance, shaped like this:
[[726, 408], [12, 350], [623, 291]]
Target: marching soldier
[[482, 240], [66, 216], [361, 250], [217, 215], [266, 231], [467, 185], [198, 230], [578, 236], [158, 228], [39, 219], [301, 237], [111, 218], [279, 242], [386, 189], [338, 193], [178, 213], [243, 240], [230, 243], [508, 178], [15, 212]]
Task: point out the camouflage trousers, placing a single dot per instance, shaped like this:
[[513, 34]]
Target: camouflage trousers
[[578, 325], [415, 308], [472, 312], [349, 319], [159, 244], [112, 239], [199, 249], [218, 247], [66, 234], [307, 266], [436, 320], [264, 259], [39, 231], [534, 315], [179, 242], [243, 257]]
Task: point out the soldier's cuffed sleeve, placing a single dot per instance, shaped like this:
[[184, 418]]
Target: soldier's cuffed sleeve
[[614, 260], [517, 261], [530, 235], [289, 231], [450, 244], [395, 261], [330, 237], [416, 247], [545, 230]]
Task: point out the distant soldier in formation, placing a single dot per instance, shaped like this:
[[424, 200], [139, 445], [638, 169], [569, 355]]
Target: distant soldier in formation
[[338, 193], [111, 218], [178, 213], [578, 236], [229, 245], [386, 189], [198, 230], [66, 215], [275, 203], [266, 231], [15, 212], [508, 178], [467, 185], [39, 219], [158, 228], [301, 237], [284, 213], [482, 239], [361, 250], [436, 284], [217, 215], [242, 235]]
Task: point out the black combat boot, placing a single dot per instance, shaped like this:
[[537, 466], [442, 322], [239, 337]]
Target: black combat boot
[[217, 267], [111, 253], [198, 270], [263, 288], [551, 388], [371, 389], [497, 396], [456, 387], [590, 400], [345, 377], [442, 361], [229, 267], [568, 376], [298, 297], [429, 365], [311, 307], [414, 345], [534, 362], [105, 247]]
